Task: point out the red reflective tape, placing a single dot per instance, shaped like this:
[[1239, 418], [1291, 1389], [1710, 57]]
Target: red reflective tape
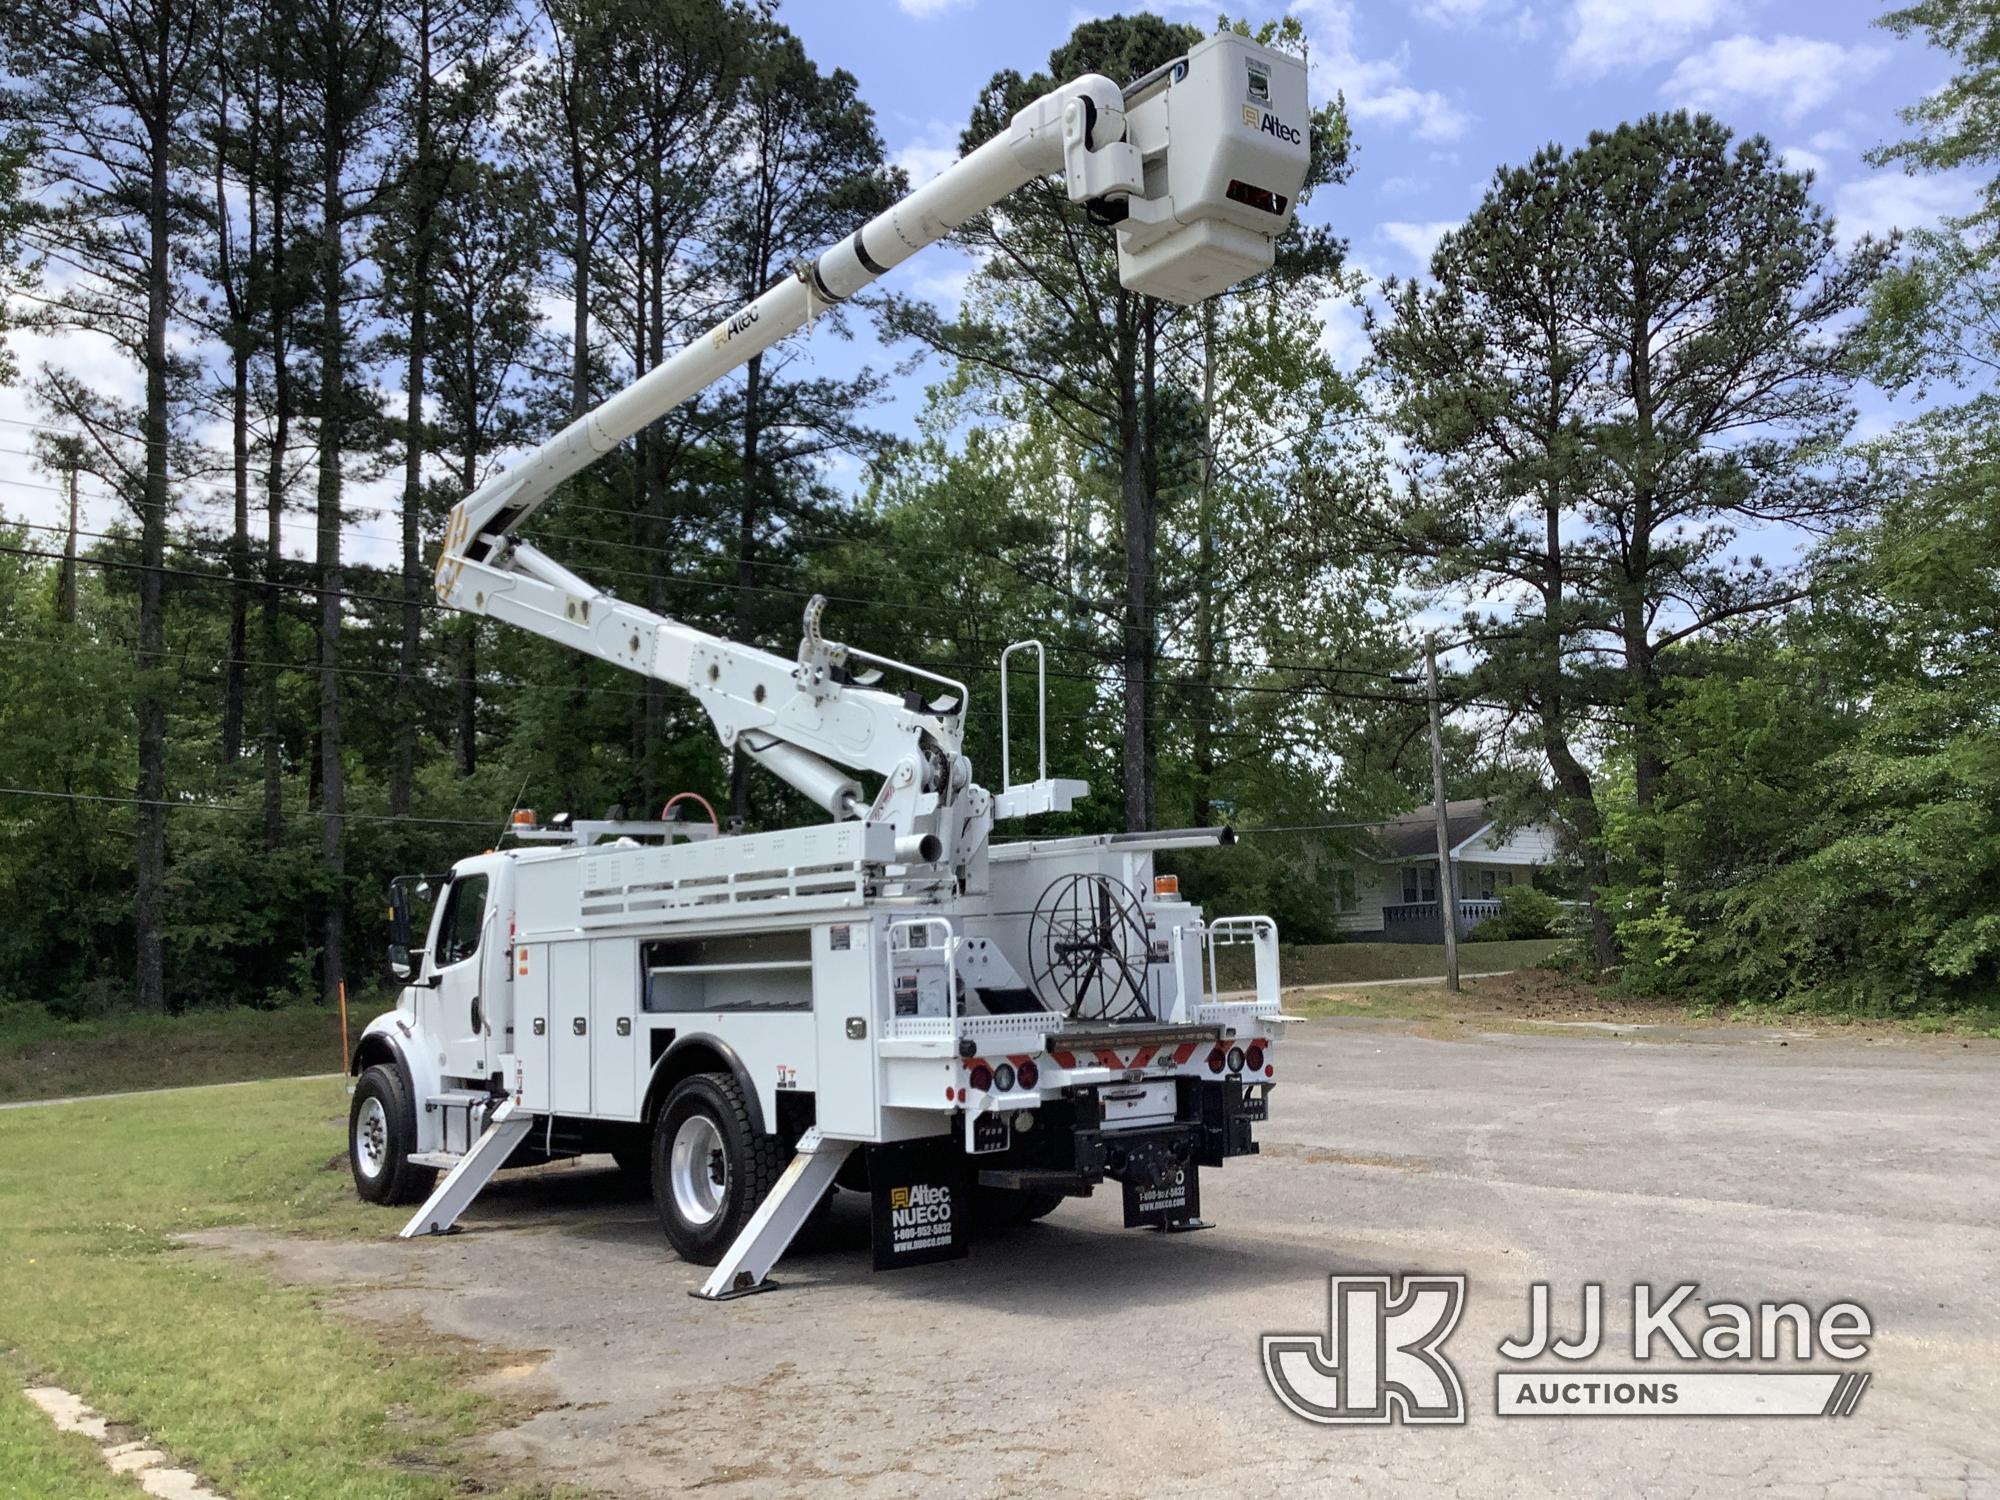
[[1143, 1056], [1183, 1052], [1108, 1059], [1017, 1058], [1064, 1059]]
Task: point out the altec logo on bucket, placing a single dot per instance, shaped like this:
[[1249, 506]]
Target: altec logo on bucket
[[1382, 1360]]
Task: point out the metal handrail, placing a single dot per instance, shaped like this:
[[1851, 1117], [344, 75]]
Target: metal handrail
[[1041, 713]]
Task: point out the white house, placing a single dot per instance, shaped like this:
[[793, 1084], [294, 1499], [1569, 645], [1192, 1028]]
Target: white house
[[1390, 894]]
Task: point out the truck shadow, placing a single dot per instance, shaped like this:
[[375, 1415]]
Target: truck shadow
[[1064, 1265]]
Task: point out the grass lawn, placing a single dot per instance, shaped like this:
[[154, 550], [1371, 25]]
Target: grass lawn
[[1531, 998], [45, 1058], [249, 1383], [1350, 963]]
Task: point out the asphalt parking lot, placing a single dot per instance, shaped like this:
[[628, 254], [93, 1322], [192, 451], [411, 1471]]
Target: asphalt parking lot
[[1076, 1356]]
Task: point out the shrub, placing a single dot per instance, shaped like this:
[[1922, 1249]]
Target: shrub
[[1524, 913]]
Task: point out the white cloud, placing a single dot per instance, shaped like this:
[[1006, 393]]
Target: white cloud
[[1404, 187], [1416, 240], [1518, 22], [1875, 205], [1799, 159], [1609, 34], [929, 152], [924, 10], [1829, 140], [1343, 333], [1377, 89], [1794, 74]]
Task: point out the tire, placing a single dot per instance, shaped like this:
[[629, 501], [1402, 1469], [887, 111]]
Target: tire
[[710, 1167], [1009, 1208], [381, 1134]]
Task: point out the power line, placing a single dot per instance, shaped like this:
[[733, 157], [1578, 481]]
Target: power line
[[224, 807], [564, 504], [1105, 657]]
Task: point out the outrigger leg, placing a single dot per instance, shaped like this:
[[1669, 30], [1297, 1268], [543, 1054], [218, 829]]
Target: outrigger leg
[[745, 1267], [452, 1197]]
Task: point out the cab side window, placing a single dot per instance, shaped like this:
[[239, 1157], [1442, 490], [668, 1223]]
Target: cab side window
[[464, 914]]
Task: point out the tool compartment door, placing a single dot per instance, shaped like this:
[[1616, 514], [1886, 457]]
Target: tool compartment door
[[531, 1023], [614, 1048], [847, 1015], [569, 1028]]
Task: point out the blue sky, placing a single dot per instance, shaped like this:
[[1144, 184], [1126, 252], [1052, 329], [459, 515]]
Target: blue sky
[[1440, 93]]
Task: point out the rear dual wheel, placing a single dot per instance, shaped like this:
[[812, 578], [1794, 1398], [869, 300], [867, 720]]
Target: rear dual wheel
[[711, 1166], [1008, 1208]]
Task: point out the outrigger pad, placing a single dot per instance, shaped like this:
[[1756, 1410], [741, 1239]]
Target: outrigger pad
[[1173, 1203], [921, 1202]]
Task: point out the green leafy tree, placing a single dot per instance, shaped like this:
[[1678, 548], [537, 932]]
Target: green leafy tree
[[1628, 352], [1958, 124]]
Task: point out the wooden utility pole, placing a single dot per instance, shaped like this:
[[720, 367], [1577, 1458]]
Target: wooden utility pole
[[66, 593], [1447, 884]]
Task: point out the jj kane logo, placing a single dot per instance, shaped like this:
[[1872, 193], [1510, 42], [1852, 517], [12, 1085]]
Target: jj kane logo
[[1382, 1358]]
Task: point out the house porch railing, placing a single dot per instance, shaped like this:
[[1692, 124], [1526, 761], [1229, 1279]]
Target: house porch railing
[[1423, 921]]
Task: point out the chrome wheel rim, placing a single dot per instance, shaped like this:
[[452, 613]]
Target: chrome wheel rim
[[698, 1169], [371, 1138]]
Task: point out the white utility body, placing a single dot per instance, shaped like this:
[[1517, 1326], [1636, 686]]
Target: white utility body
[[999, 1024]]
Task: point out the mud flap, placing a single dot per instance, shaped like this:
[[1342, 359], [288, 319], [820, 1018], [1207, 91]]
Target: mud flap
[[920, 1202], [1172, 1204]]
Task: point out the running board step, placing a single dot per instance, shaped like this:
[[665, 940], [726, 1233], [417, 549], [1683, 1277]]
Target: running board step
[[506, 1129]]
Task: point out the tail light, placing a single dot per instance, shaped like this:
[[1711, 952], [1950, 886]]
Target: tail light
[[1003, 1078], [1029, 1075], [1216, 1060], [1236, 1059], [980, 1077], [1254, 1058]]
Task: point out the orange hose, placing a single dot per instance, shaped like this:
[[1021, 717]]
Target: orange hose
[[713, 822]]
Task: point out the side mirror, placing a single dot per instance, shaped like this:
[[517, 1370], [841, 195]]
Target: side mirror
[[399, 930]]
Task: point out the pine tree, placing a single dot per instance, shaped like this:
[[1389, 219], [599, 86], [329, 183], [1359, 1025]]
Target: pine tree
[[812, 168], [458, 55], [1628, 352], [111, 94], [347, 63]]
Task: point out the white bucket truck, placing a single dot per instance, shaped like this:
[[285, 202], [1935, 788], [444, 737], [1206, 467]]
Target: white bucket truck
[[962, 1028]]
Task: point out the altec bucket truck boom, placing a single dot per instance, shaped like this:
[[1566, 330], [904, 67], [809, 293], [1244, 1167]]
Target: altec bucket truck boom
[[997, 1025]]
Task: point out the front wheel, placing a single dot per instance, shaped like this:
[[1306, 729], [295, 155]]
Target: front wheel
[[711, 1168], [381, 1134]]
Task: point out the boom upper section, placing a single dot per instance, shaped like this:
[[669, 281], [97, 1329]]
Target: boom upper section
[[1199, 165]]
